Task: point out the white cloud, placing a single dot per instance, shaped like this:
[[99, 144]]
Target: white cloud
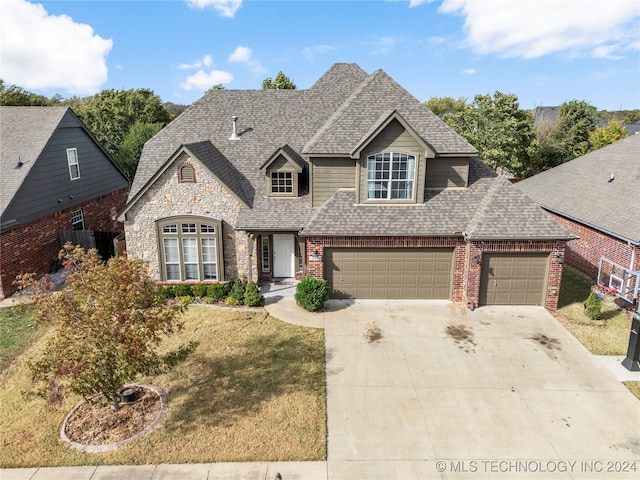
[[42, 51], [535, 28], [244, 55], [202, 80], [240, 54], [226, 8], [206, 61], [312, 52], [382, 45], [468, 71], [417, 3]]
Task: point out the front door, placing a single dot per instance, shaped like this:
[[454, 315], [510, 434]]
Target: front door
[[284, 255]]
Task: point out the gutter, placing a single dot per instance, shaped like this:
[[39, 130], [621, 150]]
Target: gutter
[[600, 229]]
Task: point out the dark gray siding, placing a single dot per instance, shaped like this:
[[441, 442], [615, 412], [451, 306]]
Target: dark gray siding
[[49, 180], [330, 174], [447, 172]]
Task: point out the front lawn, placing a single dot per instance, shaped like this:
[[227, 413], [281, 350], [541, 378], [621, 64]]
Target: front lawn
[[253, 390], [608, 336]]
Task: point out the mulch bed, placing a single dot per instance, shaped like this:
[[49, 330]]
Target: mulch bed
[[93, 422]]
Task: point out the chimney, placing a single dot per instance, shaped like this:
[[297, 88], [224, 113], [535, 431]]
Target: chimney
[[234, 135]]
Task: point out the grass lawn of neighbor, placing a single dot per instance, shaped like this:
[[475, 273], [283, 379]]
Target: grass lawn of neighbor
[[607, 336]]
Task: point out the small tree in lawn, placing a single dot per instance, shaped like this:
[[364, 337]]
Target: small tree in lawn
[[108, 321]]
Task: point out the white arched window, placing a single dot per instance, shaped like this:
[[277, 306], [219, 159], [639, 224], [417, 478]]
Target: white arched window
[[190, 248]]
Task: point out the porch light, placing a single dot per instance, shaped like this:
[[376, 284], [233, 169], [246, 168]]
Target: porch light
[[316, 256], [559, 258], [476, 259]]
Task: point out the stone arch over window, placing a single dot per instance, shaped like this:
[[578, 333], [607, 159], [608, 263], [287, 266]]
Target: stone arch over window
[[186, 173], [190, 248]]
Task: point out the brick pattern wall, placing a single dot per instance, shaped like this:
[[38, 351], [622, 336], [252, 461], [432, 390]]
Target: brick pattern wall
[[467, 272], [206, 197], [584, 253], [33, 246]]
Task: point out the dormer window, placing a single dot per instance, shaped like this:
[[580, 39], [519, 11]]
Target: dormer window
[[282, 171], [391, 176], [282, 183]]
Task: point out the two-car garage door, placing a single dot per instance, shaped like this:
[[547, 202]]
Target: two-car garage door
[[389, 272], [427, 273]]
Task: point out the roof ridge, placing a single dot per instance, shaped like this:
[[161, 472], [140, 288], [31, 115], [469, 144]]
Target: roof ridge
[[478, 217], [340, 110]]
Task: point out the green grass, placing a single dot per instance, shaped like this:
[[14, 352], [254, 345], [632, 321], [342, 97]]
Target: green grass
[[607, 336], [17, 327], [253, 390]]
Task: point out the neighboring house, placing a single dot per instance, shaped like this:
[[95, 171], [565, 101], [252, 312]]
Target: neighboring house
[[54, 177], [353, 181], [596, 197]]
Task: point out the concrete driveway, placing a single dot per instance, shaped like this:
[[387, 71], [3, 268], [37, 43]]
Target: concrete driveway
[[424, 389]]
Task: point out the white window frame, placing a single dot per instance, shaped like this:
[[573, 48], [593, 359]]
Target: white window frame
[[77, 218], [282, 182], [385, 174], [196, 242], [266, 252], [72, 162]]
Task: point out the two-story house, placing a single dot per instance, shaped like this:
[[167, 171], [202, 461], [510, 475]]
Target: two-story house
[[54, 177], [353, 180]]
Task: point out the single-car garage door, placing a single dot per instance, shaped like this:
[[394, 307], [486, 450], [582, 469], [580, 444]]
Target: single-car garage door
[[514, 278], [389, 272]]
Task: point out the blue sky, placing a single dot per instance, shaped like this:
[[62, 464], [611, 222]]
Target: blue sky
[[544, 51]]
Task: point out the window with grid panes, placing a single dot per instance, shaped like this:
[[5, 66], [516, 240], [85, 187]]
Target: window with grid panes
[[390, 176], [189, 250]]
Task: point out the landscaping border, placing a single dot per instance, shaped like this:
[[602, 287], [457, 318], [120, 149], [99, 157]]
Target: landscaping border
[[112, 446]]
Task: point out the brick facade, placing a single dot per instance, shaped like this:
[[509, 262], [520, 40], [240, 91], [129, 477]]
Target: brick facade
[[32, 247], [584, 253], [467, 272], [206, 197]]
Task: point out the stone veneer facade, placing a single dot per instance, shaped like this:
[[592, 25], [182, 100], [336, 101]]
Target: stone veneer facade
[[206, 197]]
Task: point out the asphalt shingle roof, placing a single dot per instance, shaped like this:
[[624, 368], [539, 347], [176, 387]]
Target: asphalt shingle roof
[[24, 132], [333, 117], [378, 96], [581, 189], [490, 208]]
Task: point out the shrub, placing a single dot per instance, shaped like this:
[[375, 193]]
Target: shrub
[[182, 290], [233, 301], [593, 306], [199, 290], [236, 291], [252, 295], [217, 292], [311, 293], [166, 293]]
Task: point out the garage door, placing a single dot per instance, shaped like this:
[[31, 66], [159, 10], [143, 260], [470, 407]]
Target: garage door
[[389, 272], [514, 279]]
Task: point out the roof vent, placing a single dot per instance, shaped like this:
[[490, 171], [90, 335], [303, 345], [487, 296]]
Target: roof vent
[[612, 178], [234, 135], [19, 164]]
